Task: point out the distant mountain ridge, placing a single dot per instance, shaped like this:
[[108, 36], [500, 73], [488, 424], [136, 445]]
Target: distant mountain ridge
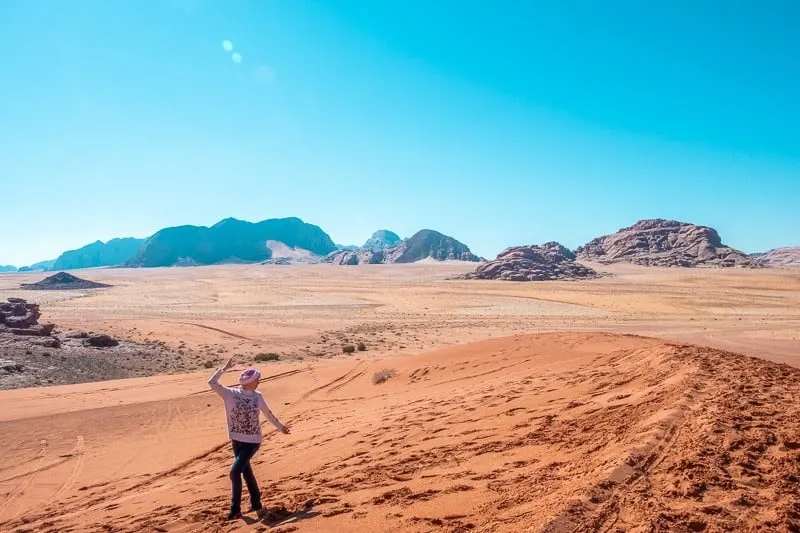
[[650, 242], [99, 254], [41, 265], [229, 241], [424, 244]]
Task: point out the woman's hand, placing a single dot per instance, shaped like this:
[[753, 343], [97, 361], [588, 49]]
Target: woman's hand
[[228, 365], [285, 429]]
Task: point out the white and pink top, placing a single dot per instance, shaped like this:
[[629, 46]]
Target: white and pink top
[[242, 407]]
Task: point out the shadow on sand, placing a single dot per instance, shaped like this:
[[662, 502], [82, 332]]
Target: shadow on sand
[[280, 516]]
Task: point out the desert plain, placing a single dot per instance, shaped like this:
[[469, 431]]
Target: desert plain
[[651, 399]]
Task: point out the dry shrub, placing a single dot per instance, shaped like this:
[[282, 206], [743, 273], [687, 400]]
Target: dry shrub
[[382, 376], [269, 356], [348, 348]]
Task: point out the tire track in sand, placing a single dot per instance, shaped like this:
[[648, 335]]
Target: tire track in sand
[[79, 451], [218, 330], [27, 478]]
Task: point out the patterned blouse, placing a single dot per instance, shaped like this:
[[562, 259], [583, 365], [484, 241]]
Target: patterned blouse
[[243, 408]]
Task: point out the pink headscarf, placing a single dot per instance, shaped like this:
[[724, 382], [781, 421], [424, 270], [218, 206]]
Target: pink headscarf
[[251, 375]]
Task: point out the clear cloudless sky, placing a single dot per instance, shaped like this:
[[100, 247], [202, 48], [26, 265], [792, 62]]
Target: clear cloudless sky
[[497, 122]]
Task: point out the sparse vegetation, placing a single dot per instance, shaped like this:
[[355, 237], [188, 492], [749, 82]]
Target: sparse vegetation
[[208, 364], [348, 348], [361, 347], [384, 375], [268, 356]]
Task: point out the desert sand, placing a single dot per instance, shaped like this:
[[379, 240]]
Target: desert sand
[[650, 400]]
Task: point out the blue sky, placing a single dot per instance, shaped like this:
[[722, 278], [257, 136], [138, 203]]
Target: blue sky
[[500, 123]]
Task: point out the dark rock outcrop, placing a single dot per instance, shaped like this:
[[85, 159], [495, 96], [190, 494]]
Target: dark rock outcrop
[[36, 330], [17, 313], [63, 282], [98, 254], [669, 243], [101, 341], [229, 240], [19, 317], [787, 257], [382, 240], [10, 367], [550, 261]]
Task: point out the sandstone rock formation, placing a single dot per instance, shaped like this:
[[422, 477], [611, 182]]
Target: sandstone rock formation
[[550, 261], [357, 257], [19, 317], [669, 243], [788, 257], [17, 313], [63, 282], [428, 243]]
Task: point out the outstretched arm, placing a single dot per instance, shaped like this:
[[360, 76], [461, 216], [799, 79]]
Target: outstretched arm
[[271, 416], [213, 381]]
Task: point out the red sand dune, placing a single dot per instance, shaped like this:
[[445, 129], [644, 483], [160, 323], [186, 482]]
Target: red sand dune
[[554, 432]]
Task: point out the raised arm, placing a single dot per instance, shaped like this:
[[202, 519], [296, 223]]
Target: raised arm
[[213, 381], [271, 416]]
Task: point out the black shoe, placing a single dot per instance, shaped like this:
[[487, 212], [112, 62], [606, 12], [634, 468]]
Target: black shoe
[[234, 516]]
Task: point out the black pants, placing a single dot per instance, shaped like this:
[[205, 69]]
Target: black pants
[[243, 452]]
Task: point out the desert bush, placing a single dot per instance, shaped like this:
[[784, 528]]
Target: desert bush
[[348, 348], [270, 356], [361, 346], [208, 364], [383, 376]]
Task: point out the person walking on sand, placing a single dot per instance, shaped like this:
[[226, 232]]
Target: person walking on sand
[[242, 404]]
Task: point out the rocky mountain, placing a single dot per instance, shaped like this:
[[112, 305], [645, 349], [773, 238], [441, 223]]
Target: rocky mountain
[[7, 268], [428, 243], [41, 265], [98, 254], [424, 244], [659, 242], [550, 261], [229, 240], [788, 257], [381, 240]]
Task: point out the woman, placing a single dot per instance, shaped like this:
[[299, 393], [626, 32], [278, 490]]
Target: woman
[[242, 404]]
